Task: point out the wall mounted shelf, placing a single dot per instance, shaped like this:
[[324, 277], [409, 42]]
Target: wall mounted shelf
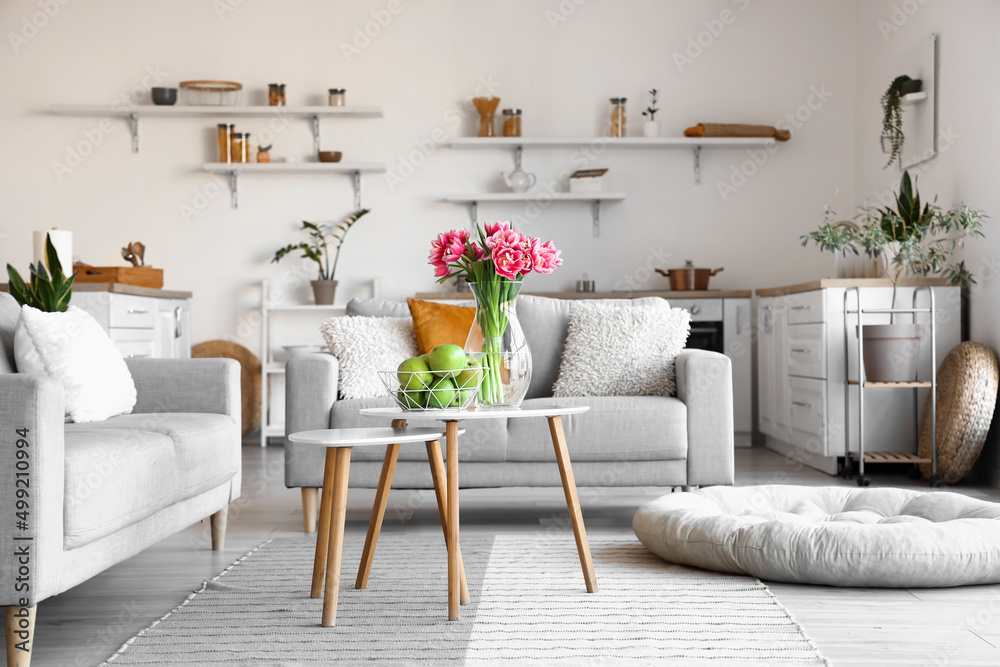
[[913, 98], [234, 170], [474, 199], [133, 114]]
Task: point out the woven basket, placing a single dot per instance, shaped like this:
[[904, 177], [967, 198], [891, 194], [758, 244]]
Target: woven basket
[[966, 398], [250, 372]]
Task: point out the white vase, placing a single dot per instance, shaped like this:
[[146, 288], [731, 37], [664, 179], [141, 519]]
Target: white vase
[[651, 128]]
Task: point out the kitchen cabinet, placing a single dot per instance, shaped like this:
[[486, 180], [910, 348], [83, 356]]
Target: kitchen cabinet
[[807, 350], [141, 322]]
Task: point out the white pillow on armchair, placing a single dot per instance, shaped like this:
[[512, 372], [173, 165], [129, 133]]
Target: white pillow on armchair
[[73, 348]]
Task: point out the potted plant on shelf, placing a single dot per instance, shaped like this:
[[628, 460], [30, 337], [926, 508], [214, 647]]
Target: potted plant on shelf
[[323, 247], [47, 290], [911, 238], [892, 138], [651, 128], [264, 154]]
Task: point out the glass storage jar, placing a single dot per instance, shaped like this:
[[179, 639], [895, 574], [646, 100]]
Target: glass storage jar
[[276, 94], [511, 122], [241, 147], [338, 97], [226, 142], [618, 116]]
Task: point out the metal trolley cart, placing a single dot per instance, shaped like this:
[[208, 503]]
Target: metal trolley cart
[[862, 457]]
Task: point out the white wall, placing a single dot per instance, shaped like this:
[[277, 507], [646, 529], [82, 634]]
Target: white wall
[[427, 62], [966, 169]]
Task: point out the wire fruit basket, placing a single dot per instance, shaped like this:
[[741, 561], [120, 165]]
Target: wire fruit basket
[[420, 391]]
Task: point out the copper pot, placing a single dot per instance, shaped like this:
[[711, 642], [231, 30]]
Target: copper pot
[[688, 278]]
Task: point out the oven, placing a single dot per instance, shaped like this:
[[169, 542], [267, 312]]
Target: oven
[[706, 323]]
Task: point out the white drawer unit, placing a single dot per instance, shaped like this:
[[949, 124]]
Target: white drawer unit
[[140, 325], [807, 350], [807, 404], [806, 307]]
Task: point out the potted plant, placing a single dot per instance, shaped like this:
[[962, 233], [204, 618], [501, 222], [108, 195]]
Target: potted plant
[[48, 291], [892, 117], [323, 247], [651, 128], [911, 238], [264, 153]]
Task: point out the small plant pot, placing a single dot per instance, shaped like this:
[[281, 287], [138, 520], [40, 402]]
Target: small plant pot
[[651, 129], [911, 86], [324, 291], [263, 157], [892, 352]]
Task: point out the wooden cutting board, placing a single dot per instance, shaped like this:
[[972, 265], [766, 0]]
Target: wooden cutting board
[[140, 276]]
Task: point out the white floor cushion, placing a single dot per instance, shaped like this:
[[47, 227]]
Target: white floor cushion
[[838, 536]]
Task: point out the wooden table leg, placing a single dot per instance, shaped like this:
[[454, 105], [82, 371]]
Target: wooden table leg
[[338, 517], [451, 532], [441, 492], [378, 512], [572, 501], [323, 530]]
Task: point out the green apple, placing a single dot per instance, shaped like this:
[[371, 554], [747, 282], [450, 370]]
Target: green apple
[[441, 393], [426, 356], [414, 373], [447, 358], [472, 374], [462, 398], [413, 400]]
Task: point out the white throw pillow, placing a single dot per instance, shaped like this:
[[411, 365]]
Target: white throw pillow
[[366, 345], [614, 350], [73, 348]]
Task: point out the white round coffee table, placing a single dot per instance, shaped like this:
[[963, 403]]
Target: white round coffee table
[[333, 510], [451, 417]]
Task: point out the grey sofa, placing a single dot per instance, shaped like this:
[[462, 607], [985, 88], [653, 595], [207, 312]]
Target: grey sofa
[[621, 441], [92, 495]]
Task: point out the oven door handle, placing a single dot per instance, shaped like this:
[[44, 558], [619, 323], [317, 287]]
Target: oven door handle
[[704, 330]]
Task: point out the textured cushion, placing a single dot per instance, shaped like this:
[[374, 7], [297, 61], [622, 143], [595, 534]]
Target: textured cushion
[[377, 308], [545, 323], [440, 323], [73, 348], [484, 440], [127, 468], [10, 311], [836, 536], [636, 428], [366, 345], [621, 351]]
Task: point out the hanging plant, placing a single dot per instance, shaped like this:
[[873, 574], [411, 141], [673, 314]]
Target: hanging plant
[[892, 121]]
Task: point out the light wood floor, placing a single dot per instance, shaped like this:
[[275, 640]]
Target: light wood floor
[[958, 627]]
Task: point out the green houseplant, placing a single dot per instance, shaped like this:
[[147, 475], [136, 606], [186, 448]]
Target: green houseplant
[[47, 290], [323, 247], [651, 128], [892, 120], [916, 238]]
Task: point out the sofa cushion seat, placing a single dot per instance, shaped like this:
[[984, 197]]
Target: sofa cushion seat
[[616, 428], [482, 441], [124, 469]]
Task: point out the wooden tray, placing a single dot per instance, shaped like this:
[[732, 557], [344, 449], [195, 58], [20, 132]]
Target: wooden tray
[[140, 276]]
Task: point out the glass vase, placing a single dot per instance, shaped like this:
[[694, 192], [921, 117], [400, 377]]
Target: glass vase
[[497, 340]]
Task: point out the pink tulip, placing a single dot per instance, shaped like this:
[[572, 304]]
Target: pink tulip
[[544, 256], [508, 262], [474, 252], [493, 227]]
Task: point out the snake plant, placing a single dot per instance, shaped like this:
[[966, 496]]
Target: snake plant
[[45, 291]]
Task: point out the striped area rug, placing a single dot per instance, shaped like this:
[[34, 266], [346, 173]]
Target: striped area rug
[[529, 607]]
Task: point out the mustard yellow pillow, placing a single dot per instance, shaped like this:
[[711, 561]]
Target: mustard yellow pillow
[[440, 323]]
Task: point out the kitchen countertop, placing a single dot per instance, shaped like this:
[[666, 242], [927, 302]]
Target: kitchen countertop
[[850, 282], [118, 288], [687, 294]]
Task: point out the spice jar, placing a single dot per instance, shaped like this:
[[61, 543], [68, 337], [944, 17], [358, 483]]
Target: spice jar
[[276, 94], [618, 116], [511, 122], [241, 147], [226, 142], [337, 97]]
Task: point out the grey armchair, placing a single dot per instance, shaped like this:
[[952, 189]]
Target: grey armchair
[[76, 499]]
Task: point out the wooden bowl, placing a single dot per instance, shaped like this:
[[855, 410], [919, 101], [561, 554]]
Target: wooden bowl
[[330, 156]]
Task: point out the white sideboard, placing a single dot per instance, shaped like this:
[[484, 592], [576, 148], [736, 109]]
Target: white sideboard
[[806, 352], [142, 322]]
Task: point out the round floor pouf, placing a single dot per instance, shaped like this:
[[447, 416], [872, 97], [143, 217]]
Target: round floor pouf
[[837, 536], [966, 398]]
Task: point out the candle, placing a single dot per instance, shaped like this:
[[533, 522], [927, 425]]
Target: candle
[[62, 241]]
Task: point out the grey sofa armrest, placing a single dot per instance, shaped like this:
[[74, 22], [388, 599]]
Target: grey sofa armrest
[[705, 385], [32, 413], [311, 386], [187, 385]]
